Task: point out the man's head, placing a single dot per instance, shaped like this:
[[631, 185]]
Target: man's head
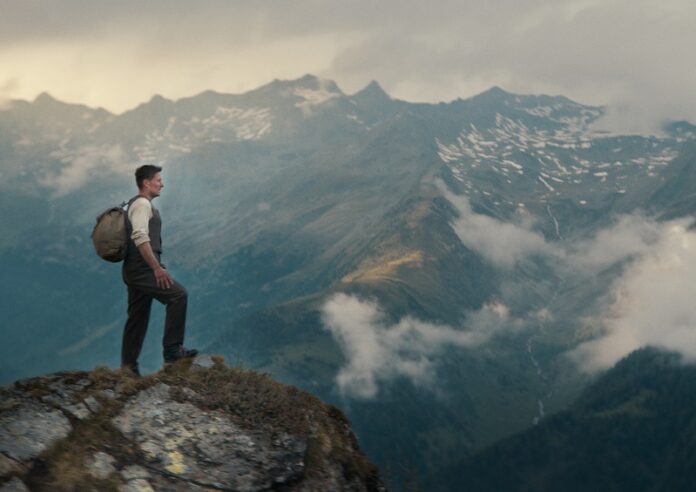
[[149, 180]]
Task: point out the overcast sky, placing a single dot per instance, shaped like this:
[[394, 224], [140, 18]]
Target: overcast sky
[[632, 54]]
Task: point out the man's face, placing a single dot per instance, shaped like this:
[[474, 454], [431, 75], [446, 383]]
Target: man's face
[[154, 185]]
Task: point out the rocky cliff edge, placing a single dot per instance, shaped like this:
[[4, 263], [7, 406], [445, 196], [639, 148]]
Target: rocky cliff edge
[[197, 425]]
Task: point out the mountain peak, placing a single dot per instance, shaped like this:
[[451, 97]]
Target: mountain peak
[[45, 98], [159, 100], [372, 91], [308, 81], [313, 82], [495, 93]]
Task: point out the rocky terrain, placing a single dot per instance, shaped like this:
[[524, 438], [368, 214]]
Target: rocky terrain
[[193, 426]]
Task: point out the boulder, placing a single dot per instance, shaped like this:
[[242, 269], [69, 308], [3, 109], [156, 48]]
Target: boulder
[[196, 425]]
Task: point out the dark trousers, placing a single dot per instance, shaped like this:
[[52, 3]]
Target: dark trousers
[[142, 289]]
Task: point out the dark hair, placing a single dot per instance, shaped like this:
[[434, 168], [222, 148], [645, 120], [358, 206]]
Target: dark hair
[[147, 171]]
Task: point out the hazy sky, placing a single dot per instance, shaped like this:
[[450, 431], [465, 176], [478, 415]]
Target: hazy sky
[[633, 54]]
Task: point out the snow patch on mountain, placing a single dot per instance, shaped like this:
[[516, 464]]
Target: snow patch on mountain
[[246, 123], [552, 157], [226, 123]]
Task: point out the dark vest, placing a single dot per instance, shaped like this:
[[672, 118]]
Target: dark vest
[[133, 256]]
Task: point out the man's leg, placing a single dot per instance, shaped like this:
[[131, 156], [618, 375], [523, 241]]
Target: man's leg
[[176, 300], [134, 331]]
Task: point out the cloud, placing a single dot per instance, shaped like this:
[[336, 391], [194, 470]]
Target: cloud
[[377, 351], [628, 54], [630, 236], [502, 243], [651, 300], [505, 244], [619, 53], [654, 303], [82, 164]]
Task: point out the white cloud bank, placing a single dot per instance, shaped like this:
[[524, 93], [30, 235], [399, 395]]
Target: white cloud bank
[[653, 296], [377, 351], [654, 304]]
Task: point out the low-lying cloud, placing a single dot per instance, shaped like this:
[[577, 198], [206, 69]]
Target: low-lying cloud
[[654, 303], [378, 351], [501, 243], [630, 236], [81, 164], [504, 244], [651, 301]]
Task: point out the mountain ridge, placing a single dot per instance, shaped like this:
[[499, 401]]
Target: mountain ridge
[[310, 81]]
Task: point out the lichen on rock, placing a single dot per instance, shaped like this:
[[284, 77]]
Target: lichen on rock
[[206, 447], [30, 428]]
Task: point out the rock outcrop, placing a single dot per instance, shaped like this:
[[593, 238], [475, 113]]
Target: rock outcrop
[[198, 425]]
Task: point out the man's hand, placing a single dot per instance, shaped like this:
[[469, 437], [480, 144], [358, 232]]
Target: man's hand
[[164, 280]]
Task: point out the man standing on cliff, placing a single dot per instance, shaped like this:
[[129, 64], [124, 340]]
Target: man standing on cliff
[[147, 279]]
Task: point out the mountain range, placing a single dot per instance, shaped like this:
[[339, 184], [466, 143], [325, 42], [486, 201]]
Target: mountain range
[[441, 272]]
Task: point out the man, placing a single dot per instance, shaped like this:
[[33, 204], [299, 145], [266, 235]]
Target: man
[[147, 278]]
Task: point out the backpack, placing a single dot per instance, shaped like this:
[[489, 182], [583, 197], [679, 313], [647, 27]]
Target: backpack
[[109, 234]]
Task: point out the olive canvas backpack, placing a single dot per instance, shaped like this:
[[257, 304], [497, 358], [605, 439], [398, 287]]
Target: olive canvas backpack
[[109, 234]]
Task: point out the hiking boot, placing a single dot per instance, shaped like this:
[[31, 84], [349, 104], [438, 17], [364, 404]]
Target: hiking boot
[[133, 369], [178, 352]]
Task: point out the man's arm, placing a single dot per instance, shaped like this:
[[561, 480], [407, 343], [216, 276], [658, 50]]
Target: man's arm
[[139, 213], [164, 279]]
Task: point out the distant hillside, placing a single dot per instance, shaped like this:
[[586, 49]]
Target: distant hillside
[[632, 430], [677, 196]]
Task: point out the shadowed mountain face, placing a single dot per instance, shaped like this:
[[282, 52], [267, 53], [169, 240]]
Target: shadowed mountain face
[[428, 268], [633, 429]]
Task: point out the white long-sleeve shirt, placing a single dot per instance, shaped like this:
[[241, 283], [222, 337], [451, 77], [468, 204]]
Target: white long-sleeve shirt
[[139, 214]]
